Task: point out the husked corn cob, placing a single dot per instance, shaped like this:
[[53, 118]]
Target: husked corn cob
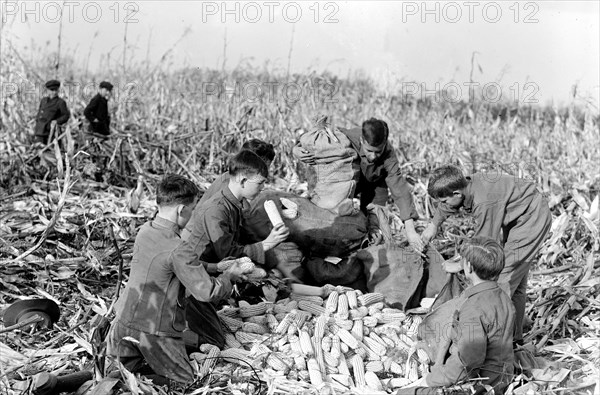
[[245, 337], [295, 343], [366, 330], [285, 323], [332, 302], [343, 366], [280, 316], [374, 345], [301, 317], [345, 324], [292, 329], [306, 343], [370, 322], [347, 338], [390, 318], [259, 349], [373, 311], [272, 322], [359, 313], [335, 346], [330, 360], [314, 372], [254, 328], [359, 370], [395, 368], [362, 352], [229, 312], [377, 306], [277, 363], [352, 299], [235, 355], [231, 323], [231, 341], [257, 319], [342, 307], [370, 298], [398, 382], [378, 339], [311, 308], [358, 329], [305, 298], [374, 366], [326, 343], [279, 308], [372, 381], [344, 348]]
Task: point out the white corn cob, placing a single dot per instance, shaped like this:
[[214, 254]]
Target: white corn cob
[[314, 372], [257, 274], [358, 329], [330, 360], [347, 338], [332, 302], [231, 323], [254, 328], [231, 341], [342, 307], [352, 299], [301, 318], [246, 337], [344, 348], [377, 306], [285, 323], [254, 310], [370, 298], [311, 308], [306, 343], [359, 370], [319, 354], [374, 366], [378, 339], [335, 346], [306, 298], [273, 213], [375, 346], [272, 322], [326, 343], [370, 322], [345, 324], [343, 366], [359, 313], [228, 311], [277, 363], [372, 381]]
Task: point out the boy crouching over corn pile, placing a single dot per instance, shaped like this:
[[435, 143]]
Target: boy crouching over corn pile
[[151, 310], [482, 329]]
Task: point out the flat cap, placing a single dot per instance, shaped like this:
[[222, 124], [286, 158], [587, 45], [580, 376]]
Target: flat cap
[[53, 85], [107, 85]]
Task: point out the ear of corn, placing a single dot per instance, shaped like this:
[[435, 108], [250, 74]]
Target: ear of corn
[[310, 307], [285, 323], [357, 329], [235, 355], [306, 298], [254, 328], [332, 301], [352, 299], [326, 343], [231, 323], [314, 372], [370, 298], [277, 363], [343, 366], [374, 366], [347, 338], [272, 322], [231, 341], [358, 368], [254, 310], [342, 307], [246, 337], [372, 381], [306, 343]]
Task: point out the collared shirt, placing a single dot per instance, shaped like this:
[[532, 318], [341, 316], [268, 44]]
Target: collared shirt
[[496, 201], [387, 168], [153, 299], [215, 231], [51, 109], [482, 340], [217, 186]]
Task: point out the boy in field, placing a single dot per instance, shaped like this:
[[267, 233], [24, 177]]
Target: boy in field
[[216, 224], [151, 309], [505, 208], [380, 172], [481, 337]]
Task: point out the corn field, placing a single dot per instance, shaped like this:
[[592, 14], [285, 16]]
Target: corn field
[[68, 213]]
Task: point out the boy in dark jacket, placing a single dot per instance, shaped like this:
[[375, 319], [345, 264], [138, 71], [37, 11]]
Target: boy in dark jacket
[[507, 209], [151, 310], [482, 331], [96, 111], [53, 112]]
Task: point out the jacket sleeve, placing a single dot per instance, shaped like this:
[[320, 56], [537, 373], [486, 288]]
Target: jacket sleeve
[[196, 280], [90, 109], [469, 347], [224, 244], [399, 188], [65, 114]]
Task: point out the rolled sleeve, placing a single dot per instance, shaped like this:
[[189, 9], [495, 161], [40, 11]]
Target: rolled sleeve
[[399, 188]]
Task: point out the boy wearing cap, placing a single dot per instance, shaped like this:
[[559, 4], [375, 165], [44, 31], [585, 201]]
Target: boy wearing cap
[[151, 310], [505, 208], [96, 111], [53, 111], [380, 172]]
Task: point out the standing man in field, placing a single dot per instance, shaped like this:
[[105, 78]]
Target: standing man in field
[[52, 114], [96, 111], [379, 173]]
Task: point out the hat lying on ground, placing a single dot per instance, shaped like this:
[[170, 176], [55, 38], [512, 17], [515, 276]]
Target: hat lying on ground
[[24, 309], [107, 85], [53, 85]]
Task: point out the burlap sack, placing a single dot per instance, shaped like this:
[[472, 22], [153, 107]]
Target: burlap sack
[[336, 171], [317, 231]]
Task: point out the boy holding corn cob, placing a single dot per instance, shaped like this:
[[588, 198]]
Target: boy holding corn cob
[[504, 207], [150, 310], [482, 332]]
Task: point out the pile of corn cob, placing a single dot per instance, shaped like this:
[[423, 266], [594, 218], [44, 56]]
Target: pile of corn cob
[[349, 341]]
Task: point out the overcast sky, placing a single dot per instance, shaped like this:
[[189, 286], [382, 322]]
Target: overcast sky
[[537, 50]]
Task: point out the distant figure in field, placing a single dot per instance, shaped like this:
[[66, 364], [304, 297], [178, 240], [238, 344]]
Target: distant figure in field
[[53, 112], [96, 111]]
